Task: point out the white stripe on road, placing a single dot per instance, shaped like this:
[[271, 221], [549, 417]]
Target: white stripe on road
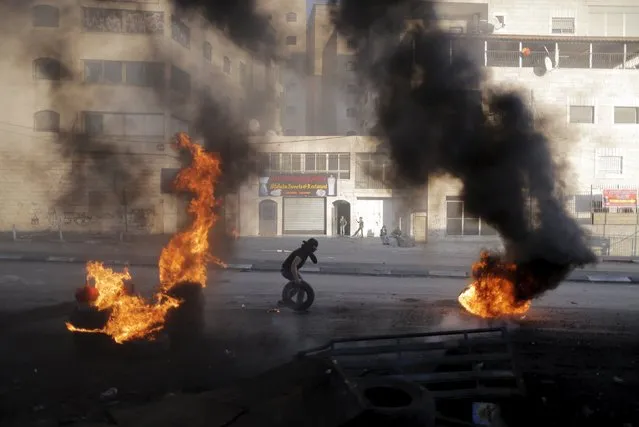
[[239, 266], [59, 259], [11, 257], [447, 273], [604, 278]]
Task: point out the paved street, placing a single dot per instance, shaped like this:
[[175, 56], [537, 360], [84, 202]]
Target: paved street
[[336, 255], [246, 336]]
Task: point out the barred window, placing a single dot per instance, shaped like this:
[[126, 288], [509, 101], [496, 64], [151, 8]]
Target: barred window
[[562, 25]]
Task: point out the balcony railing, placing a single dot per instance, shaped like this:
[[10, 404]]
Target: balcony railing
[[585, 59]]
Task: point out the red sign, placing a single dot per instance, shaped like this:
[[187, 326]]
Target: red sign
[[620, 198], [301, 185]]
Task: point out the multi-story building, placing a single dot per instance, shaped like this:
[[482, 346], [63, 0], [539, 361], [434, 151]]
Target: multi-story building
[[92, 92], [573, 60]]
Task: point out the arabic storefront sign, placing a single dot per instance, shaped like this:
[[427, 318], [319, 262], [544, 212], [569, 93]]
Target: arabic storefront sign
[[620, 198], [298, 186]]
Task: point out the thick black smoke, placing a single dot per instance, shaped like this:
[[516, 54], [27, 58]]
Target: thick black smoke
[[242, 22], [435, 121]]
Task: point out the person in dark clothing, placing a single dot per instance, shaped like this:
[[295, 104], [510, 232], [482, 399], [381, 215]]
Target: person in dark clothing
[[297, 259], [360, 228]]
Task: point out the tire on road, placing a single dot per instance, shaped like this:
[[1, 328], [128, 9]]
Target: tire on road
[[397, 401], [286, 296]]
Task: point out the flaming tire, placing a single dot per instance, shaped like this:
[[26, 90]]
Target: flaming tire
[[291, 290]]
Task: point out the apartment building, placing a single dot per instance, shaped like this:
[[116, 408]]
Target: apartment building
[[575, 61], [92, 91]]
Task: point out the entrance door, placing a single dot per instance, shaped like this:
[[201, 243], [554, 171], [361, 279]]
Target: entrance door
[[420, 226], [342, 208], [268, 218]]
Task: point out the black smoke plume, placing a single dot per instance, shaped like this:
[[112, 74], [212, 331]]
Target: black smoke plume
[[241, 21], [437, 115]]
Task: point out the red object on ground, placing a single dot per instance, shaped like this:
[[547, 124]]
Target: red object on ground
[[86, 294]]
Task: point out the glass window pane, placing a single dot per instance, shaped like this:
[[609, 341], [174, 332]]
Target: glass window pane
[[333, 162], [454, 227], [135, 73], [344, 175], [286, 162], [471, 227], [93, 124], [309, 162], [154, 74], [320, 162], [625, 115], [454, 209], [582, 114], [487, 230], [92, 71], [113, 124], [275, 161], [296, 162], [112, 72], [345, 162]]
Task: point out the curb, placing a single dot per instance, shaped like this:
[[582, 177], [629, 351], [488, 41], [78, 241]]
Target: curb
[[600, 278]]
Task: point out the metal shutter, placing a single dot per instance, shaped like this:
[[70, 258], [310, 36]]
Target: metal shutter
[[304, 215]]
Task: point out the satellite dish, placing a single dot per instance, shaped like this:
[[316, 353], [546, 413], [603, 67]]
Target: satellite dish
[[254, 126], [548, 64]]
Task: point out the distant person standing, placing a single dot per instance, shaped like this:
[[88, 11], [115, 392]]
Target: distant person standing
[[342, 226], [360, 228]]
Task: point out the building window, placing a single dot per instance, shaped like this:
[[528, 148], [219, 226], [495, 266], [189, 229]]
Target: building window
[[46, 121], [147, 74], [563, 25], [582, 114], [462, 223], [291, 40], [626, 115], [350, 66], [207, 51], [351, 44], [47, 69], [180, 32], [351, 112], [610, 165], [45, 16], [178, 125], [290, 132], [338, 164], [123, 124], [351, 89], [180, 80], [372, 171], [122, 21], [226, 65], [291, 17]]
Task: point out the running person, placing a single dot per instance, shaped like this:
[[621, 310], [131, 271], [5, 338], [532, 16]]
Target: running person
[[296, 260]]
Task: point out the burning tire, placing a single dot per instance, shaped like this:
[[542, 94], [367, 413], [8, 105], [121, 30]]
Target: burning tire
[[397, 402], [291, 296], [186, 322]]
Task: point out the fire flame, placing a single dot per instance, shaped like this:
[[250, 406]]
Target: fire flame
[[492, 293], [184, 259]]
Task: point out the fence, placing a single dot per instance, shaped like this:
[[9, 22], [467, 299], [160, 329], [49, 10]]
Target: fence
[[613, 230]]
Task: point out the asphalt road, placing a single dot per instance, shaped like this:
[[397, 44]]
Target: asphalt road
[[40, 369]]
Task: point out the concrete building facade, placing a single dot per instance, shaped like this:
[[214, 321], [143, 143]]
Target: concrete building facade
[[92, 93]]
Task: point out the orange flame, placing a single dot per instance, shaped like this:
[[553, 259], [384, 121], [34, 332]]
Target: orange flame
[[492, 293], [183, 259]]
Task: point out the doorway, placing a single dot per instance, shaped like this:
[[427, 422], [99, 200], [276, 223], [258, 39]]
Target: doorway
[[268, 218], [341, 208]]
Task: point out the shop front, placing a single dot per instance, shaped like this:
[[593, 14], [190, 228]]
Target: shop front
[[302, 198]]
